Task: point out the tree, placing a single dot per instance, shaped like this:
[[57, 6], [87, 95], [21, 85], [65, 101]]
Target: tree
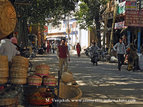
[[89, 15], [39, 12]]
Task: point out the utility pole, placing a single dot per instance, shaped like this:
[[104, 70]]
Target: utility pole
[[139, 30], [112, 30]]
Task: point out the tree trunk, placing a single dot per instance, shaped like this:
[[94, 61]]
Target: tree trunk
[[98, 26], [98, 33]]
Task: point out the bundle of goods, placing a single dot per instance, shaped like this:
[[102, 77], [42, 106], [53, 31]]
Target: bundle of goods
[[113, 59], [42, 70], [67, 77], [69, 92], [40, 97], [35, 80], [19, 70], [4, 69], [50, 80]]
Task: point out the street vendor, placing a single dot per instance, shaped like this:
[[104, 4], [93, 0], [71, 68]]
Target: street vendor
[[7, 48]]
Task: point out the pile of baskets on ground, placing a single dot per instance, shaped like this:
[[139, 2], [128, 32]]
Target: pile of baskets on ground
[[42, 76], [18, 74], [12, 73]]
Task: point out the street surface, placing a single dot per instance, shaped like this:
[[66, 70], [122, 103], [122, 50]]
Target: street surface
[[102, 85]]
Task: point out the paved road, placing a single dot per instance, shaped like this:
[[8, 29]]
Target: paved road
[[103, 85]]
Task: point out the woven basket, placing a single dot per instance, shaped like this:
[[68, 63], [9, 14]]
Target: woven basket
[[4, 72], [7, 18], [42, 70], [67, 77], [20, 60], [50, 80], [35, 80], [20, 65], [4, 61], [3, 80], [18, 69], [39, 96], [7, 101], [70, 93], [4, 66], [42, 67], [19, 81], [19, 74]]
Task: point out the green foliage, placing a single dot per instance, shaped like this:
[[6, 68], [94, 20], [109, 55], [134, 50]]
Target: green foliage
[[42, 11], [89, 12]]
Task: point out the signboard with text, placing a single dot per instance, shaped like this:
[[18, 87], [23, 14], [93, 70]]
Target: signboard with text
[[134, 18], [131, 5], [120, 25]]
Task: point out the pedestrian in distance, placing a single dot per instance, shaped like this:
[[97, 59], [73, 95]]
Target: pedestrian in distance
[[63, 56], [53, 47], [121, 51], [78, 49], [94, 53], [48, 46]]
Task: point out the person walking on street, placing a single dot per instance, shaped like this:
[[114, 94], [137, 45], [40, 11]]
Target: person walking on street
[[94, 53], [78, 49], [64, 56], [121, 50], [53, 47], [48, 46]]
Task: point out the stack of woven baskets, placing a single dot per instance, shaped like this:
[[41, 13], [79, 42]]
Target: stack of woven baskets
[[42, 75], [4, 69], [19, 70]]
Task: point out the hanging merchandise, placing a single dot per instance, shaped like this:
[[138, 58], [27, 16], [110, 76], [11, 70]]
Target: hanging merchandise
[[121, 8]]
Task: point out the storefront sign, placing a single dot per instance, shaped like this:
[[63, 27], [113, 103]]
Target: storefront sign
[[120, 25], [131, 5], [134, 18]]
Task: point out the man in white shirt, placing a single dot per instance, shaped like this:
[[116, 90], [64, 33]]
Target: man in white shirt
[[7, 48], [121, 51]]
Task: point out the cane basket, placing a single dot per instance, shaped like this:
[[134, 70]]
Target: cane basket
[[4, 66], [35, 80], [69, 92], [7, 101], [50, 80], [3, 80], [20, 61], [67, 77], [18, 80], [42, 70], [7, 18]]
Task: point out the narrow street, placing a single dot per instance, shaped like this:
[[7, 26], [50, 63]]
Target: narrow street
[[102, 85]]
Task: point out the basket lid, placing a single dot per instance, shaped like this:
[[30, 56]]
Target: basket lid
[[8, 18]]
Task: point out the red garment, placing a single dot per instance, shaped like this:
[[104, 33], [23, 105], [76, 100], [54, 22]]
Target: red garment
[[48, 48], [1, 88], [78, 49], [63, 51]]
